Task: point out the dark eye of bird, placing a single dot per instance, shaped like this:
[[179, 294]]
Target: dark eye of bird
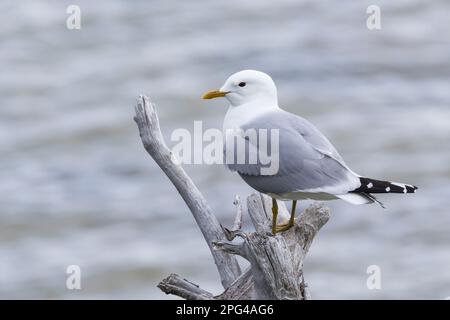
[[242, 84]]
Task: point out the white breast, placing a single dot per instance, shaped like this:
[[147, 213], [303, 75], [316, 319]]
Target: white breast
[[238, 116]]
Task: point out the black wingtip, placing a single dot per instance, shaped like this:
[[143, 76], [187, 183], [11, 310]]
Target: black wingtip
[[369, 185], [411, 188]]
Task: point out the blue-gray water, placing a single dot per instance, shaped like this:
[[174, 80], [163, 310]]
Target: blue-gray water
[[76, 186]]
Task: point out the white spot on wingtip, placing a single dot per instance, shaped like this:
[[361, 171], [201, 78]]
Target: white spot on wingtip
[[388, 189], [398, 184], [369, 185]]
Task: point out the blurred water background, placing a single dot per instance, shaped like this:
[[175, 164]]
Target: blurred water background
[[76, 186]]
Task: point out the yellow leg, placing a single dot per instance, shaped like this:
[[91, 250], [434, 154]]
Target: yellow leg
[[274, 215], [291, 222], [292, 219]]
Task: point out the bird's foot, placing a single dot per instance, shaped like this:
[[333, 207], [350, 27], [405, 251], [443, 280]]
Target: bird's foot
[[284, 226]]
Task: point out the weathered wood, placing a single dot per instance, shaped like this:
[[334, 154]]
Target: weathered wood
[[174, 284], [276, 270], [150, 132], [276, 261], [240, 289], [230, 234]]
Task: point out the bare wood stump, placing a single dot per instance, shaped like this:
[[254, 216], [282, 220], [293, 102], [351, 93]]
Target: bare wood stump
[[276, 261]]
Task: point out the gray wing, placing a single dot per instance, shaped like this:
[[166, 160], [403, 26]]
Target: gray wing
[[307, 160]]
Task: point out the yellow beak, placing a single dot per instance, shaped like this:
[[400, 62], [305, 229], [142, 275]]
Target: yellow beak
[[214, 94]]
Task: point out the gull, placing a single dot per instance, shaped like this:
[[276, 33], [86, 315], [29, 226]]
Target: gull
[[309, 165]]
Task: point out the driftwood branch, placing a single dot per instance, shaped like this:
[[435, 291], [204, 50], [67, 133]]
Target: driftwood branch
[[148, 124], [276, 261], [230, 234], [176, 285]]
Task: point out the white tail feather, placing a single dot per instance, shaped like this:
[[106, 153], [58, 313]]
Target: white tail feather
[[354, 198]]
